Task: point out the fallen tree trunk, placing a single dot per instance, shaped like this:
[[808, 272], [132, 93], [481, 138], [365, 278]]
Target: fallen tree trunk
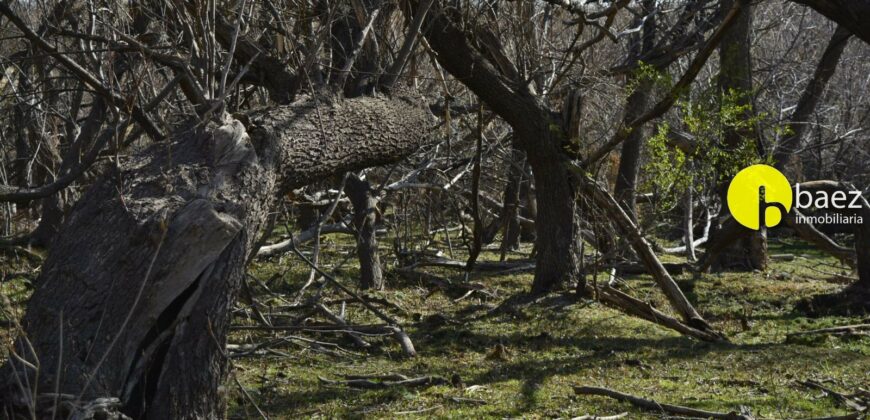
[[644, 310], [143, 274], [305, 236], [656, 406], [601, 198]]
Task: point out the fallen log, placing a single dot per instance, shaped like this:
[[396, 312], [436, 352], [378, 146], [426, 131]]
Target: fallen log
[[603, 199], [389, 381], [845, 329], [859, 401], [633, 306], [305, 236], [653, 405], [421, 260]]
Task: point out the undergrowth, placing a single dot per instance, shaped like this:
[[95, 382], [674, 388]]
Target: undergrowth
[[559, 342]]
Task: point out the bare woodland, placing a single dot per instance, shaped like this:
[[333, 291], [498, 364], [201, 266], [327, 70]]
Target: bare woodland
[[156, 155]]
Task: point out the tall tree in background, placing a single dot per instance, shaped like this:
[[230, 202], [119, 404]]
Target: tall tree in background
[[736, 90], [641, 45]]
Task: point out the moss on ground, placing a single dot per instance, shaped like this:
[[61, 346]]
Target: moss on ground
[[553, 345], [559, 342]]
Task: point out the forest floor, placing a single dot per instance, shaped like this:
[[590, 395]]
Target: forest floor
[[524, 362]]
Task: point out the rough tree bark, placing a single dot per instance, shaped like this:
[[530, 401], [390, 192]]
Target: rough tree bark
[[143, 274], [364, 218]]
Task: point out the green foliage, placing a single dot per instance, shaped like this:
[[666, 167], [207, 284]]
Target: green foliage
[[648, 74], [707, 119]]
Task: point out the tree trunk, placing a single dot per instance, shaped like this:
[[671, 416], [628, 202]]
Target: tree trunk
[[529, 210], [364, 218], [852, 14], [151, 259], [629, 159], [785, 157], [536, 133], [557, 245], [735, 75], [511, 202]]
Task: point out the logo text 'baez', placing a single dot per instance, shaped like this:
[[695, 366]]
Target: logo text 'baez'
[[761, 196]]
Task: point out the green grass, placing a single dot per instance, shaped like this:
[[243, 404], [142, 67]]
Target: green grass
[[553, 345], [556, 344]]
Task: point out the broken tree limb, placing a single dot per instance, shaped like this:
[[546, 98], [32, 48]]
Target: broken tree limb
[[697, 242], [653, 405], [340, 321], [845, 329], [594, 417], [421, 260], [423, 381], [634, 268], [300, 238], [859, 401], [633, 306], [393, 326], [603, 199]]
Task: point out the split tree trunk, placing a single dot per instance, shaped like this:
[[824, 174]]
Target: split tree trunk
[[143, 274]]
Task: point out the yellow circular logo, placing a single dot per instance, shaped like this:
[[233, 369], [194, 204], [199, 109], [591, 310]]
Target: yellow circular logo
[[759, 195]]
